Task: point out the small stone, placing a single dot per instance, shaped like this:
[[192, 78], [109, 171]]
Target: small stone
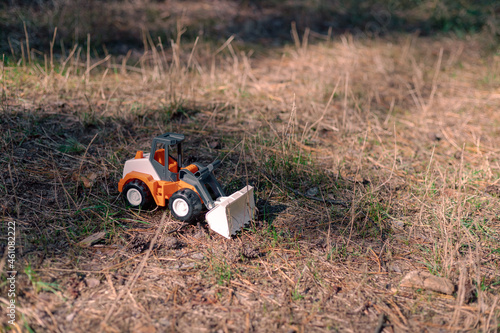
[[435, 136], [393, 267], [198, 256], [398, 224], [312, 192], [215, 145], [164, 322], [92, 282], [425, 280], [188, 265], [94, 238]]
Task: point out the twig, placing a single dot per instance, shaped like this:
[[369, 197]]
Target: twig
[[137, 272], [491, 314]]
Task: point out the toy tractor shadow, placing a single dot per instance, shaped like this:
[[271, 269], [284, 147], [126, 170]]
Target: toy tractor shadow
[[268, 212]]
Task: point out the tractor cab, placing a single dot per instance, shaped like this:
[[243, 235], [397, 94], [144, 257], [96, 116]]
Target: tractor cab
[[166, 156]]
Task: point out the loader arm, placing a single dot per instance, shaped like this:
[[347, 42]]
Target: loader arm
[[204, 182]]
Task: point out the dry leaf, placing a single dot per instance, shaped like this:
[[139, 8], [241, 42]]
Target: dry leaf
[[86, 182]]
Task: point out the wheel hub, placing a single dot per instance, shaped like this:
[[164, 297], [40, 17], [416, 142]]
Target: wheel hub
[[134, 197], [180, 207]]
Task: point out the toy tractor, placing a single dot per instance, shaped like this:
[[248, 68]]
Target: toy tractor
[[160, 177]]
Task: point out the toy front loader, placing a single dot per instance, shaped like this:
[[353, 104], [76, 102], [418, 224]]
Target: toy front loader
[[160, 178]]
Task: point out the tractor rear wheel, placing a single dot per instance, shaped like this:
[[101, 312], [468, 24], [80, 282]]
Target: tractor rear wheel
[[137, 194], [185, 205]]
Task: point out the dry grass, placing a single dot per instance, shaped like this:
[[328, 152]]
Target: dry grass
[[404, 130]]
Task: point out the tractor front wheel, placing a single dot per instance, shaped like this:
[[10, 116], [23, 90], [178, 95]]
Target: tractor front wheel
[[185, 205], [137, 194]]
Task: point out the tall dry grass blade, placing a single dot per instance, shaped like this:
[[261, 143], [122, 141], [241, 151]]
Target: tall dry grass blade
[[180, 29], [42, 72], [289, 130], [27, 42], [320, 119], [143, 67], [157, 63], [101, 86], [226, 43], [434, 80], [123, 69], [2, 71], [305, 41], [493, 312], [175, 54], [70, 56], [63, 49], [394, 167], [391, 109], [52, 50], [163, 58], [192, 52], [406, 49], [212, 68], [76, 59], [461, 287], [346, 92], [248, 73], [11, 48], [87, 71], [23, 58], [235, 59], [109, 98], [416, 99], [295, 35], [144, 40]]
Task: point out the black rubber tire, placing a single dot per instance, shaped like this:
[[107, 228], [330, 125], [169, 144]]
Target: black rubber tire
[[189, 201], [143, 196]]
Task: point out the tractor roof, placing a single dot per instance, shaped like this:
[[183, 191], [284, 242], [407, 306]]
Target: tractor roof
[[170, 138]]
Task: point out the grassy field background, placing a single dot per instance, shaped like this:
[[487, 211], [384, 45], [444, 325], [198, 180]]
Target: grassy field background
[[370, 130]]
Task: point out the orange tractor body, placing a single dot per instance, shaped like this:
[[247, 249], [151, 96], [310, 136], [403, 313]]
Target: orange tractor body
[[148, 180]]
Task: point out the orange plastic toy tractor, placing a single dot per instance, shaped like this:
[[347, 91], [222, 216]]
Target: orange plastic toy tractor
[[160, 177]]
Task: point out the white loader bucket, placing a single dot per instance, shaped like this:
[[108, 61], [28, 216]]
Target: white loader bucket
[[232, 213]]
